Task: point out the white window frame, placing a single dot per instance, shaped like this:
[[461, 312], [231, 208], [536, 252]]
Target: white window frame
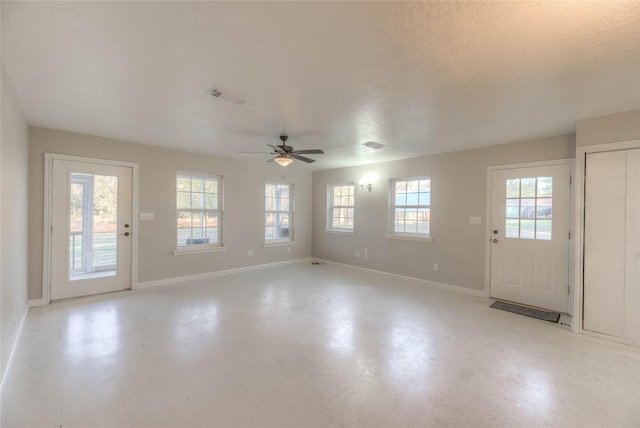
[[425, 237], [201, 247], [290, 213], [330, 208]]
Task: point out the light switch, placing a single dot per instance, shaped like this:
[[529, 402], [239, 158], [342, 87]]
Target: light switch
[[147, 216]]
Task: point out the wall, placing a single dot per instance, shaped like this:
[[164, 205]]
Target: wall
[[458, 191], [243, 205], [611, 128], [13, 219]]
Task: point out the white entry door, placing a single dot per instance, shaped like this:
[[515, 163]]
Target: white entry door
[[530, 236], [91, 228]]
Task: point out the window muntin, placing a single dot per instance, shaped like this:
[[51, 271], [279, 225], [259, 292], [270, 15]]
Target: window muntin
[[341, 207], [199, 211], [410, 207], [528, 212], [278, 214]]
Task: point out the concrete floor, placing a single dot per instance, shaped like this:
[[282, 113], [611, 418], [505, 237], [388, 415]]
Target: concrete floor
[[310, 346]]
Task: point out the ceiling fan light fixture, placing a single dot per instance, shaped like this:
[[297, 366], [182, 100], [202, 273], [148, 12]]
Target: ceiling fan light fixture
[[283, 160]]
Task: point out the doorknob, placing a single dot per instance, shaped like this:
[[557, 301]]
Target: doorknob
[[495, 231], [495, 241], [127, 234]]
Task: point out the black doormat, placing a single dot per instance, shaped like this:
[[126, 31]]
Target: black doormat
[[529, 312]]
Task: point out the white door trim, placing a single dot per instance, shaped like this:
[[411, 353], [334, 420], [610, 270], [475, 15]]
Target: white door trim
[[46, 235], [578, 242], [488, 216]]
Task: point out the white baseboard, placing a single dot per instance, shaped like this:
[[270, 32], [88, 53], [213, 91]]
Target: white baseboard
[[13, 346], [611, 338], [438, 285], [36, 302], [207, 275]]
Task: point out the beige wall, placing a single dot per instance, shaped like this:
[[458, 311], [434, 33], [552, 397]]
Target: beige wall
[[243, 203], [13, 219], [611, 128], [458, 182]]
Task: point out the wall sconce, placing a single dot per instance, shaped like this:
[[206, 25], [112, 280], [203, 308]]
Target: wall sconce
[[367, 180], [367, 186]]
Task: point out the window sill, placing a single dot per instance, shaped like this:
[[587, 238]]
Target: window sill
[[198, 251], [340, 232], [409, 237], [278, 243]]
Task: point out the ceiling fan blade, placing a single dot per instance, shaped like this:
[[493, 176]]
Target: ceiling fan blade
[[310, 152], [278, 149], [272, 159], [255, 153], [302, 158]]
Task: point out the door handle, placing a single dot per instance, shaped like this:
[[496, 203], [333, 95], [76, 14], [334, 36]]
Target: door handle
[[125, 234], [495, 232], [495, 241]]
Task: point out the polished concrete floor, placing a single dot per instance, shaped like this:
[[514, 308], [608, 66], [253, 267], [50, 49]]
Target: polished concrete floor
[[305, 346]]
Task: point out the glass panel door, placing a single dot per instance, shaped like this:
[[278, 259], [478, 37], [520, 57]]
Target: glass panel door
[[91, 228]]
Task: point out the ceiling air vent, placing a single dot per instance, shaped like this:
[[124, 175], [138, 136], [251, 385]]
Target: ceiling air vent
[[217, 93], [373, 145]]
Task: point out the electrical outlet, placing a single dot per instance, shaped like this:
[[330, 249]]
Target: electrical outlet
[[288, 249], [436, 267], [365, 251], [358, 254], [366, 256], [250, 253]]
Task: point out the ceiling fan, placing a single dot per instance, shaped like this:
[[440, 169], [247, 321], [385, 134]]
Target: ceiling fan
[[286, 154]]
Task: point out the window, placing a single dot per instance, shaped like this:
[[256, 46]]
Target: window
[[341, 207], [410, 207], [529, 208], [278, 212], [199, 211]]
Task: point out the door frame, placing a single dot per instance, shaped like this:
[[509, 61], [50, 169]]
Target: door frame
[[48, 212], [578, 244], [489, 216]]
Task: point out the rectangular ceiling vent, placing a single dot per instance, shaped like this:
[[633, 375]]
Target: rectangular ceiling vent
[[217, 93]]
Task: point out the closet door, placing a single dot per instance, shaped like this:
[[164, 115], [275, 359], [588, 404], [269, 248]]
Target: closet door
[[612, 244], [632, 248]]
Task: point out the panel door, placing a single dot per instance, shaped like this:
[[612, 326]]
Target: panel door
[[612, 244], [530, 236]]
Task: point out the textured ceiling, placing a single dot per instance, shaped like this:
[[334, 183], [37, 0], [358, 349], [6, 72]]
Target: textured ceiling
[[418, 77]]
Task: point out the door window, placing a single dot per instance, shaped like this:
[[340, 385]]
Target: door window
[[529, 208], [93, 209]]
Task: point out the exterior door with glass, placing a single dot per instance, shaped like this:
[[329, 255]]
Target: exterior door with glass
[[530, 226], [91, 228]]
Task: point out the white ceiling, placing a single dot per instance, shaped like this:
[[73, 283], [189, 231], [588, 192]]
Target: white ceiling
[[419, 77]]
